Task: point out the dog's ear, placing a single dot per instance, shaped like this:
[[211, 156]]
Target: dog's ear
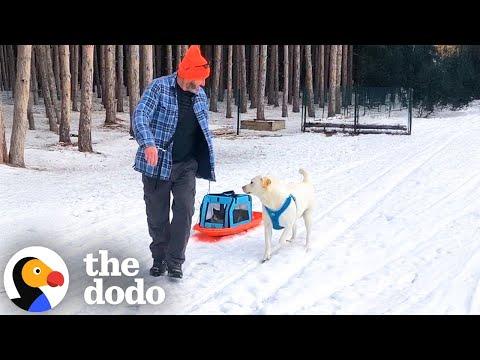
[[266, 181]]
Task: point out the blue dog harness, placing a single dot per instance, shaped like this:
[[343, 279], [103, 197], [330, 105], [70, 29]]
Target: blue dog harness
[[275, 215]]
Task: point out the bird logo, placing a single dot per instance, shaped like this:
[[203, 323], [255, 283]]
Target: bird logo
[[36, 279]]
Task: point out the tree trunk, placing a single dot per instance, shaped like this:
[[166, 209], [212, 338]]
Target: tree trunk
[[75, 60], [338, 95], [3, 143], [309, 80], [271, 76], [22, 91], [243, 79], [285, 82], [110, 105], [51, 82], [96, 70], [350, 73], [12, 72], [147, 69], [290, 73], [332, 77], [254, 77], [229, 81], [119, 81], [169, 59], [326, 73], [66, 87], [178, 55], [31, 120], [85, 123], [33, 78], [216, 78], [3, 65], [133, 81], [158, 61], [102, 74], [321, 76], [262, 77], [221, 81], [2, 86], [276, 84], [40, 52], [56, 69], [344, 71], [296, 80]]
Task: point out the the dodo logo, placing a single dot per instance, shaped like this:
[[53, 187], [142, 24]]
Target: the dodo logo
[[36, 279]]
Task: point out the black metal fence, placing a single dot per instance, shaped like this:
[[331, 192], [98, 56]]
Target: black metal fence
[[362, 110]]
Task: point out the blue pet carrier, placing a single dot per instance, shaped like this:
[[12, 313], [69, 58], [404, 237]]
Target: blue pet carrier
[[225, 210]]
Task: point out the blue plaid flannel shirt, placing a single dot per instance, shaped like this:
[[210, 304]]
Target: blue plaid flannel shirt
[[154, 123]]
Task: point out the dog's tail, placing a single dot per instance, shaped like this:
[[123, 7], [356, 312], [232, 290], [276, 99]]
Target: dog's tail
[[306, 177]]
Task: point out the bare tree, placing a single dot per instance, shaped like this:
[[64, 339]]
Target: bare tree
[[285, 82], [345, 71], [74, 60], [254, 77], [96, 71], [158, 60], [49, 109], [103, 73], [338, 95], [350, 73], [221, 81], [66, 87], [216, 78], [33, 78], [31, 120], [296, 79], [243, 79], [321, 76], [229, 81], [309, 80], [147, 69], [169, 58], [51, 81], [262, 77], [85, 123], [133, 81], [119, 82], [178, 55], [22, 91], [333, 80], [276, 76], [110, 105], [291, 50], [11, 65], [3, 143], [56, 69], [271, 76]]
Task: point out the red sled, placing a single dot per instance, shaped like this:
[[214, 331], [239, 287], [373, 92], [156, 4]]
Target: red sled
[[221, 232]]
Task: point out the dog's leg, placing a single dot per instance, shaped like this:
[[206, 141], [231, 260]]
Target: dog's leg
[[285, 233], [307, 218], [294, 232], [268, 241]]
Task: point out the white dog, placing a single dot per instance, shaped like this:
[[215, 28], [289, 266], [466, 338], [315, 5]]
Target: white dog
[[283, 204]]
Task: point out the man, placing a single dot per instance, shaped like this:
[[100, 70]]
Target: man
[[175, 147]]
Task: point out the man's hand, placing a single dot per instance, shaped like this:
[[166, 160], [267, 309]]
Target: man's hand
[[151, 155]]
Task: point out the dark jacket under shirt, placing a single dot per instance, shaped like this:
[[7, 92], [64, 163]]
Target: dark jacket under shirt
[[188, 130]]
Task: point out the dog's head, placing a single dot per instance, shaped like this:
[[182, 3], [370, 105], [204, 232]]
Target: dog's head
[[258, 186]]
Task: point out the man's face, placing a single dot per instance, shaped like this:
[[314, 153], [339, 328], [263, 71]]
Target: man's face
[[194, 85]]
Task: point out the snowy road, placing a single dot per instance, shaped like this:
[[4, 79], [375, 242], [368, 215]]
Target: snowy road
[[396, 230]]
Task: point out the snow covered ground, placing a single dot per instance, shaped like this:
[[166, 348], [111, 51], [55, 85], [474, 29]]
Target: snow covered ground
[[396, 230]]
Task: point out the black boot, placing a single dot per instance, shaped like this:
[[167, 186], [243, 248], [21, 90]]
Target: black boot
[[159, 267], [175, 271]]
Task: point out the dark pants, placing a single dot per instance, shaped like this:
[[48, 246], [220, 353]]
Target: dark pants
[[169, 239]]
